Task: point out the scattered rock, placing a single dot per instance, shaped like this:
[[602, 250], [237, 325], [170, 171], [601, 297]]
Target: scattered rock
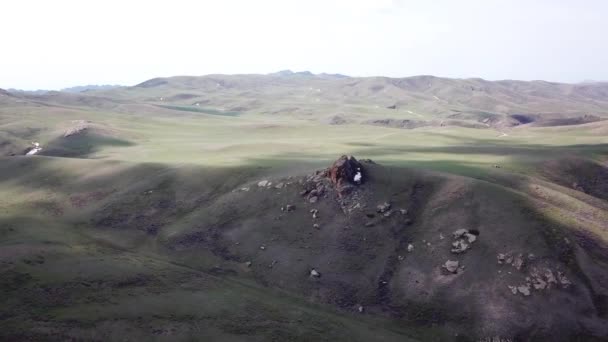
[[410, 247], [501, 258], [314, 273], [550, 277], [513, 289], [384, 207], [563, 280], [313, 199], [388, 213], [81, 127], [263, 183], [459, 246], [316, 226], [315, 213], [524, 289], [459, 233], [248, 263], [518, 262], [451, 266], [403, 211], [537, 281], [470, 237], [463, 240], [400, 258], [290, 207], [360, 309], [263, 247], [279, 186]]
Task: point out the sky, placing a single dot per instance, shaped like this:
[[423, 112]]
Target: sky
[[61, 43]]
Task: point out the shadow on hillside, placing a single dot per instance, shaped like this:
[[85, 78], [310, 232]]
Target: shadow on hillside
[[81, 145], [148, 198]]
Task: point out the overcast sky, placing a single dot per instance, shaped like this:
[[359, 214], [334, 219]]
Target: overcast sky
[[60, 43]]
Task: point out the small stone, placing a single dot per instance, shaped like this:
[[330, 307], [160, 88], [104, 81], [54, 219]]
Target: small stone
[[314, 273], [360, 309], [263, 247], [245, 189], [388, 213], [248, 263], [563, 280], [501, 258], [400, 258], [279, 186], [459, 246], [470, 237], [384, 207], [303, 192], [451, 266], [441, 237], [410, 247], [316, 226], [550, 277], [313, 199], [513, 289], [369, 224], [518, 262], [524, 289], [459, 233], [403, 211], [290, 207], [263, 183], [537, 281]]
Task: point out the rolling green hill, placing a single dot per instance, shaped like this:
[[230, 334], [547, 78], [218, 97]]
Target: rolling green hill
[[197, 208]]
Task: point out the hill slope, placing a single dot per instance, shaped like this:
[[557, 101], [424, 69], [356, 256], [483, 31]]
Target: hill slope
[[191, 208]]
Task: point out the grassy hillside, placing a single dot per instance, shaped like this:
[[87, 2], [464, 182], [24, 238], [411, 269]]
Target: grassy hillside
[[143, 218]]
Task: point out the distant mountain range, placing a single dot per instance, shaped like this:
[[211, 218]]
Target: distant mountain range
[[76, 89]]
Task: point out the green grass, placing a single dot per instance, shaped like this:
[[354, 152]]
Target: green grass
[[71, 277], [197, 109]]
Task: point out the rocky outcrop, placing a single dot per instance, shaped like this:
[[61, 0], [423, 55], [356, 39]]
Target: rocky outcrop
[[80, 127], [346, 172]]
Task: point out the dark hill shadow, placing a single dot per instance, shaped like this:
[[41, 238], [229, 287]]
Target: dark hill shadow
[[81, 145]]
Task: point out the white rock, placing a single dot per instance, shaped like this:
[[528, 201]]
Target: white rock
[[459, 233], [357, 177], [410, 247], [263, 183], [524, 289], [470, 237], [314, 273], [451, 266]]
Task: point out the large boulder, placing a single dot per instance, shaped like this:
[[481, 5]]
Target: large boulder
[[346, 170]]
